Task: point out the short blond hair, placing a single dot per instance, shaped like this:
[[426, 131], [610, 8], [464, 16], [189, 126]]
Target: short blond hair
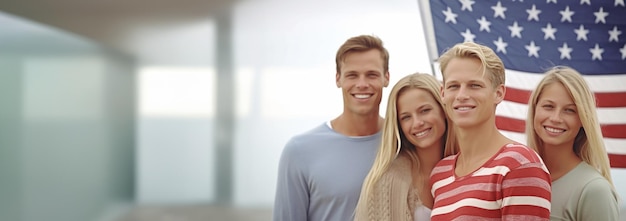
[[491, 63], [362, 43]]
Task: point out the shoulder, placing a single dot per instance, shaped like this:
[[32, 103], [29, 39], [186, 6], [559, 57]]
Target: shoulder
[[444, 165], [519, 161], [400, 165], [399, 172], [598, 196], [593, 181], [313, 135], [518, 154], [597, 185]]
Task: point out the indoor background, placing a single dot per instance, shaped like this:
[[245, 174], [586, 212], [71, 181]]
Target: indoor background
[[173, 110]]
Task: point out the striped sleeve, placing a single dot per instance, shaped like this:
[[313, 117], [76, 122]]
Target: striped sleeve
[[526, 191]]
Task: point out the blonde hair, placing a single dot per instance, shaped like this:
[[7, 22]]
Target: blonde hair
[[490, 61], [393, 139], [588, 144]]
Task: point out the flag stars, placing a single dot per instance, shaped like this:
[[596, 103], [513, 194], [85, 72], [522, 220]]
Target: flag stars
[[601, 15], [582, 2], [450, 16], [466, 4], [533, 50], [516, 30], [565, 51], [581, 33], [614, 34], [498, 10], [468, 36], [548, 32], [623, 51], [484, 24], [533, 13], [619, 2], [548, 1], [501, 46], [566, 15], [596, 53]]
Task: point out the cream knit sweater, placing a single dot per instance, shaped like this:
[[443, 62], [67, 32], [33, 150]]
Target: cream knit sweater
[[393, 198]]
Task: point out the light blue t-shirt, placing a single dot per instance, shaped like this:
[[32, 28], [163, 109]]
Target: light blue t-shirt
[[320, 175]]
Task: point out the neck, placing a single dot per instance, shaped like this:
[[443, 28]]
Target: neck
[[357, 125], [428, 158], [480, 140], [559, 159]]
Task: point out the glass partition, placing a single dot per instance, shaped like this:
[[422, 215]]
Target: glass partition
[[66, 125]]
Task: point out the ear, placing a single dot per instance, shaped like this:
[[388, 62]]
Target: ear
[[442, 92], [500, 92], [337, 77], [386, 83]]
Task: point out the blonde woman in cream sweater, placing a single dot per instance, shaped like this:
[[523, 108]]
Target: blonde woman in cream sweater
[[415, 134]]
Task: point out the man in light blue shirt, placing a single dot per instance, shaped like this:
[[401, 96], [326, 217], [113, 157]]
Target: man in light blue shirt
[[321, 171]]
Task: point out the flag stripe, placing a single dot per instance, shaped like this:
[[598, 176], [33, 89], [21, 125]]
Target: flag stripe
[[606, 99], [617, 160], [597, 83], [614, 147], [516, 125], [615, 115]]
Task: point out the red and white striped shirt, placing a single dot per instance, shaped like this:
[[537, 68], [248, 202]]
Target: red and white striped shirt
[[513, 185]]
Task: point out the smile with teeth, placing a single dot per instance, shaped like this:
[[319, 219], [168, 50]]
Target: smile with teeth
[[554, 130], [421, 133], [362, 96], [464, 108]]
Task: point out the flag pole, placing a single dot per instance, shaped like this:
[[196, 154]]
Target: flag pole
[[429, 34]]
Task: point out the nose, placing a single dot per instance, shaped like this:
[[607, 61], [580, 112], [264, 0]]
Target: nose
[[418, 123], [556, 117], [462, 94], [362, 83]]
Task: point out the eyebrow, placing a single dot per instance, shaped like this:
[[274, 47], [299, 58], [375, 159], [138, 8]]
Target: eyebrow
[[552, 101], [418, 108]]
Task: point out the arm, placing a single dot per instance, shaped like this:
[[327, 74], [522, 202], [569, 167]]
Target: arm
[[526, 193], [292, 192], [598, 201]]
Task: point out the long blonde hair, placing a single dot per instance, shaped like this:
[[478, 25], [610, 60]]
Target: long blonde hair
[[393, 139], [588, 144]]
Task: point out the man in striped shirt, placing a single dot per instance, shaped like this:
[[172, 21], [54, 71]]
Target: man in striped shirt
[[491, 177]]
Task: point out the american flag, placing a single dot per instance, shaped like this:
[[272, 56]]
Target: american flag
[[531, 36]]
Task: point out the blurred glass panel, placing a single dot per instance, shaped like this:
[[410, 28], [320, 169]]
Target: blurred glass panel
[[67, 125], [176, 116], [177, 92], [63, 87]]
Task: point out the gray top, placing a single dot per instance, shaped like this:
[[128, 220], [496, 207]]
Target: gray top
[[320, 175], [583, 194]]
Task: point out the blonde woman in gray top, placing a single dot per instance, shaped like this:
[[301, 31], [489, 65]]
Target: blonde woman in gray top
[[563, 126], [414, 135]]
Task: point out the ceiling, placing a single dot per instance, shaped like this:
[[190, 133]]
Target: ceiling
[[109, 21]]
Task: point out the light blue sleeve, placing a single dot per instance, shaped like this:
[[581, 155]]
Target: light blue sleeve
[[292, 192], [598, 201]]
